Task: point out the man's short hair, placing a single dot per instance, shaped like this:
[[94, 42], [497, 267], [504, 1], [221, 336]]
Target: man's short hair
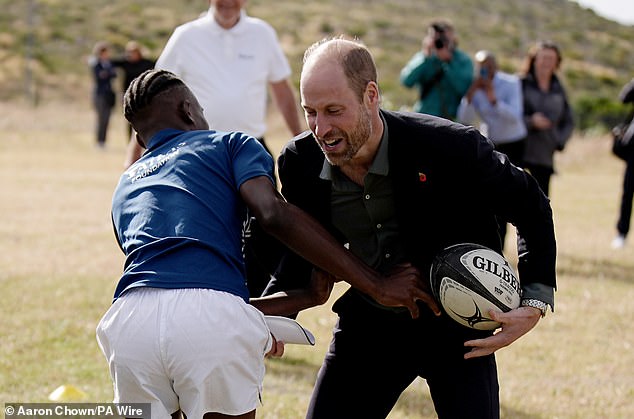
[[355, 60]]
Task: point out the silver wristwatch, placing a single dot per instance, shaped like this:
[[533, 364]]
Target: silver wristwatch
[[530, 302]]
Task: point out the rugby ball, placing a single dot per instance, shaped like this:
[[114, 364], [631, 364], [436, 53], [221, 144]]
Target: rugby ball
[[468, 280]]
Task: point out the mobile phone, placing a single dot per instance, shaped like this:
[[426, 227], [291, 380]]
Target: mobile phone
[[484, 73]]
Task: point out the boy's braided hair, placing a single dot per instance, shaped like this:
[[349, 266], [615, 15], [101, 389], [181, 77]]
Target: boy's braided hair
[[146, 87]]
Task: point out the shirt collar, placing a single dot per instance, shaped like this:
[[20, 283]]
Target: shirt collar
[[162, 137], [380, 165]]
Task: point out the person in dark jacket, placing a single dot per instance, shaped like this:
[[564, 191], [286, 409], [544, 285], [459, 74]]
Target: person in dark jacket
[[625, 210], [133, 64], [547, 114], [397, 188], [103, 97]]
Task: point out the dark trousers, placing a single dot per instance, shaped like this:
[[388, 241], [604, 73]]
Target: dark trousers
[[514, 151], [542, 175], [376, 354], [625, 214], [103, 107]]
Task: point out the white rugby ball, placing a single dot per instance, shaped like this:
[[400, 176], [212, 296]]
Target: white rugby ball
[[469, 279]]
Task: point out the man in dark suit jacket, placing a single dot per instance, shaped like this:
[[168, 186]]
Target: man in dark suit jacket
[[398, 188]]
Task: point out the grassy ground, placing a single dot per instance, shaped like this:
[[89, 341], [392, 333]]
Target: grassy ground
[[59, 264]]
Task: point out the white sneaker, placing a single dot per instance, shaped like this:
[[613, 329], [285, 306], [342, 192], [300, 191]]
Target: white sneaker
[[618, 242]]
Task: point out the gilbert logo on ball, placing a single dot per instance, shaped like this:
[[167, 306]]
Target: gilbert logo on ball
[[469, 279]]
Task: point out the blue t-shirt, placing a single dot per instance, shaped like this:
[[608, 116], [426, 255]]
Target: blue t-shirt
[[177, 212]]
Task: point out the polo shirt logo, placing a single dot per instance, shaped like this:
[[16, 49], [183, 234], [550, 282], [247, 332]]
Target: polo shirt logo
[[145, 168]]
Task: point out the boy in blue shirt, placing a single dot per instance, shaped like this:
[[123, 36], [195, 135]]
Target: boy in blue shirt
[[181, 333]]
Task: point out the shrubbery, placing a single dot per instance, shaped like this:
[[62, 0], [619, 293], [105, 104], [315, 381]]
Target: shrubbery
[[594, 112]]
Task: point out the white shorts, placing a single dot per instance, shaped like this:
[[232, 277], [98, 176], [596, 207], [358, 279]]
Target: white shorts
[[196, 350]]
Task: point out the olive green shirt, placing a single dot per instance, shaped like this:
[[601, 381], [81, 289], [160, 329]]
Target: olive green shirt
[[366, 215]]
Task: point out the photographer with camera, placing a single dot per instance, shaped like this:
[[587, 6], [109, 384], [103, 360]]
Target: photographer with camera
[[441, 72], [494, 100]]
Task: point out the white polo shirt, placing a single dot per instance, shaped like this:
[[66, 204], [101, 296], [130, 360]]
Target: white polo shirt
[[228, 70]]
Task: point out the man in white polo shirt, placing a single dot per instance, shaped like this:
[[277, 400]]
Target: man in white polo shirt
[[229, 59]]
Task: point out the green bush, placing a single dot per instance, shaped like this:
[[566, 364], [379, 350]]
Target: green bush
[[593, 112]]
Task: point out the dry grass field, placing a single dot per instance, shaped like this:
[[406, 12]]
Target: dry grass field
[[59, 264]]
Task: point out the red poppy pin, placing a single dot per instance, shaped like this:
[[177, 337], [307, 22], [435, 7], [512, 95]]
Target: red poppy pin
[[422, 177]]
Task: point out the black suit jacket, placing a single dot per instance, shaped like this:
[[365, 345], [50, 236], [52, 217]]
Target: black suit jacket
[[449, 187]]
